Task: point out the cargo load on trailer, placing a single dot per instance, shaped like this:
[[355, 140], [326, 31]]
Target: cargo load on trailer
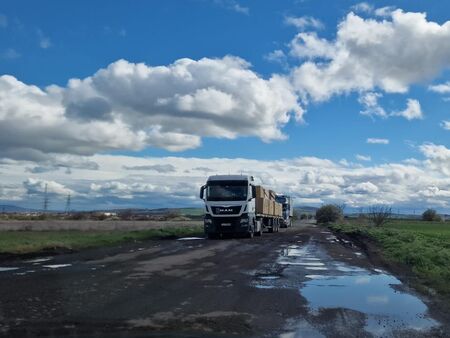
[[235, 205]]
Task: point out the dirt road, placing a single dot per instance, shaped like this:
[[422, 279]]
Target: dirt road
[[301, 282]]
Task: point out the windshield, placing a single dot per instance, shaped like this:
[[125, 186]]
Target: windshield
[[227, 191]]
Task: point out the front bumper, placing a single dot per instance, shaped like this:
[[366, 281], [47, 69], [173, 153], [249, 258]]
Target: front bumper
[[226, 225]]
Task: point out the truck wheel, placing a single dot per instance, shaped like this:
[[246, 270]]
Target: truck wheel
[[212, 236]]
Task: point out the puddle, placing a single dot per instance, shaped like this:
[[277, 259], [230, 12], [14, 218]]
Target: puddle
[[2, 269], [39, 260], [269, 277], [189, 238], [372, 294], [369, 298], [56, 266]]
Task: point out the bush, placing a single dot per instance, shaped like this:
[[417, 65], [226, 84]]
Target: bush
[[430, 215], [379, 214], [328, 214]]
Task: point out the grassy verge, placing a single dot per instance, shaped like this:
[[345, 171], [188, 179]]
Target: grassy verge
[[422, 246], [24, 242]]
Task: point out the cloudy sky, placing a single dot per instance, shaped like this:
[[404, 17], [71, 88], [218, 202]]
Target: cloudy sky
[[134, 104]]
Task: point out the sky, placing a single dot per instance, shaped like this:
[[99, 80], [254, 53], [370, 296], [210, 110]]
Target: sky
[[135, 103]]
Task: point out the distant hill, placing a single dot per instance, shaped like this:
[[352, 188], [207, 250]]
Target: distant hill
[[13, 208], [305, 209]]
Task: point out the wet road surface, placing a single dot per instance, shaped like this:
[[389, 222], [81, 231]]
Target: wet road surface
[[301, 282]]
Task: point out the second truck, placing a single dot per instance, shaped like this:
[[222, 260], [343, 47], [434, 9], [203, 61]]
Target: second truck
[[234, 204]]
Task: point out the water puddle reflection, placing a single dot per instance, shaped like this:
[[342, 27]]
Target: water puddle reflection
[[370, 297]]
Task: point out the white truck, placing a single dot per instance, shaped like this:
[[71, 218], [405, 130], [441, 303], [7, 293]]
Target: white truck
[[235, 205], [288, 210]]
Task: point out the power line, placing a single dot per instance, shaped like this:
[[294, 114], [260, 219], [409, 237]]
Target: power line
[[46, 199], [68, 203]]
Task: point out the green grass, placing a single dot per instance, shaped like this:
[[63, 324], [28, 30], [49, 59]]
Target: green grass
[[423, 246], [23, 242]]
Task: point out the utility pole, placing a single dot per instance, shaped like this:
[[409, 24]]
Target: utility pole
[[68, 204], [46, 200]]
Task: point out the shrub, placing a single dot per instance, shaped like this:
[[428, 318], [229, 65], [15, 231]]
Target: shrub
[[328, 213], [430, 215], [380, 214]]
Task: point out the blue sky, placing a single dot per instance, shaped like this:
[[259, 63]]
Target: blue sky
[[48, 43]]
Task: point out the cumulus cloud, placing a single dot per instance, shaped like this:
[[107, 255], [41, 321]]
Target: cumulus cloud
[[377, 141], [363, 158], [414, 183], [133, 106], [362, 188], [438, 157], [443, 88], [370, 102], [303, 22], [363, 7], [412, 111], [370, 54], [445, 125], [35, 186], [277, 56], [160, 168]]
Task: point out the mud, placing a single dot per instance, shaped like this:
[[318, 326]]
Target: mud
[[296, 283]]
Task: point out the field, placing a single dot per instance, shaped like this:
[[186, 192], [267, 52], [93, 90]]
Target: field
[[424, 247], [24, 242]]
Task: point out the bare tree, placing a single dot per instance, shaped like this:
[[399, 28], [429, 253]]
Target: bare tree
[[379, 214]]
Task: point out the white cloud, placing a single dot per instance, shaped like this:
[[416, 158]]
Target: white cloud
[[438, 157], [363, 7], [445, 125], [233, 5], [304, 22], [385, 11], [362, 188], [370, 54], [133, 106], [417, 183], [363, 158], [412, 111], [35, 186], [443, 88], [373, 109], [370, 102], [277, 56], [377, 141]]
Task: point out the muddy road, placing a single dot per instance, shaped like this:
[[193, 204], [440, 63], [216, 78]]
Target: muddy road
[[301, 282]]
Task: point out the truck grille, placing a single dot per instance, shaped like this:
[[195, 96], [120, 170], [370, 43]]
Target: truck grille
[[233, 210]]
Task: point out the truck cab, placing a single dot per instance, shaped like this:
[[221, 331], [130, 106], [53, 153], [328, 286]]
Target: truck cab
[[230, 206], [288, 210]]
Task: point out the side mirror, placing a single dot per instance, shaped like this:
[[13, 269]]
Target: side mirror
[[202, 191], [253, 191]]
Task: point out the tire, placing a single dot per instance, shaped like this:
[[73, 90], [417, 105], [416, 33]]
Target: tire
[[213, 236]]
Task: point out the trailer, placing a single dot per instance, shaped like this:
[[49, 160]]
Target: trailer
[[235, 205]]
